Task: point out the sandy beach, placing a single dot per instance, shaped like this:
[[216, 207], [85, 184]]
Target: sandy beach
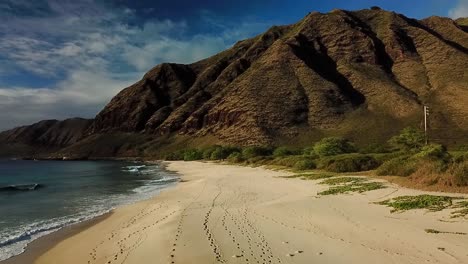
[[232, 214]]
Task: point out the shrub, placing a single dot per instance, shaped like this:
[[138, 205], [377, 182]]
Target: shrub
[[400, 166], [459, 173], [460, 156], [235, 157], [333, 146], [177, 155], [222, 153], [259, 160], [305, 164], [350, 163], [309, 151], [374, 148], [193, 154], [288, 161], [283, 151], [463, 147], [208, 151], [433, 151], [410, 139], [255, 151]]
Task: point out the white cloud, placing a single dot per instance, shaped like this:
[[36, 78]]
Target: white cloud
[[82, 94], [460, 10], [95, 52]]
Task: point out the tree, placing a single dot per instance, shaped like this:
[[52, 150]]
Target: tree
[[410, 139], [333, 146]]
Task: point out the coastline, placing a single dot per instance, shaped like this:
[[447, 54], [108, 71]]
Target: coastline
[[45, 242], [41, 245], [239, 214]]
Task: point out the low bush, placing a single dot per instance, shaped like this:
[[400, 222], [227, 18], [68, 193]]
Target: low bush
[[349, 163], [400, 166], [459, 172], [288, 161], [259, 160], [177, 155], [193, 154], [375, 148], [305, 164], [459, 156], [256, 151], [284, 151], [410, 139], [222, 153], [309, 151], [235, 157], [208, 151], [333, 146], [433, 151]]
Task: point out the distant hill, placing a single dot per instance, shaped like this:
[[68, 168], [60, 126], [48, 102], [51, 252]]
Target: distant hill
[[42, 137], [362, 74]]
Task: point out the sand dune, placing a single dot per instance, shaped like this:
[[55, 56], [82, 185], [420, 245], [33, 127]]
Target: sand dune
[[231, 214]]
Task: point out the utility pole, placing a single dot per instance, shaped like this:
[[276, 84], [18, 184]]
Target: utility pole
[[426, 114]]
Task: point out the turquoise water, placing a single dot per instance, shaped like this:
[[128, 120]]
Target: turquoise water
[[39, 197]]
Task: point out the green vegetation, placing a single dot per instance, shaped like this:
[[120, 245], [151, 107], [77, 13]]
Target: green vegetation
[[311, 176], [405, 155], [349, 163], [284, 151], [460, 173], [430, 202], [410, 139], [193, 154], [360, 187], [349, 184], [256, 151], [305, 164], [375, 148], [399, 166], [343, 180], [333, 146]]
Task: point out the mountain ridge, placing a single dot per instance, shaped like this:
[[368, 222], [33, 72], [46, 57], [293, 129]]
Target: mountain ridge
[[339, 73]]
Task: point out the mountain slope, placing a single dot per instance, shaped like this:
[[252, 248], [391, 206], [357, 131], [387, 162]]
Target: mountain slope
[[363, 74], [42, 137], [312, 74]]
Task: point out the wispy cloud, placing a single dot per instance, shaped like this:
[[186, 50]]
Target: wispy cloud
[[94, 51], [460, 10]]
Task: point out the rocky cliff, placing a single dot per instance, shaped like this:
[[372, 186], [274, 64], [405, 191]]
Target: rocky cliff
[[362, 74]]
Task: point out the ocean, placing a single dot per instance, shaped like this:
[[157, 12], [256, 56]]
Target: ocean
[[40, 197]]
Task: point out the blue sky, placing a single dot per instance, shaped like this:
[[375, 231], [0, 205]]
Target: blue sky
[[66, 58]]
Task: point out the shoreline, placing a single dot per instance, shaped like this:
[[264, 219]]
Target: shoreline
[[214, 207], [41, 245]]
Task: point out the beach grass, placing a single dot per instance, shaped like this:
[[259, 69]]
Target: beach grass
[[311, 176], [354, 187], [430, 202], [349, 184], [343, 180]]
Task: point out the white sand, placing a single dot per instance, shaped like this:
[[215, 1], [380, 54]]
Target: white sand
[[231, 214]]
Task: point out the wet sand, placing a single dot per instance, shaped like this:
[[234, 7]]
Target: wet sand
[[45, 243]]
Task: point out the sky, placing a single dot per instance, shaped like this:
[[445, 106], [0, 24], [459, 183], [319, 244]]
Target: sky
[[68, 58]]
